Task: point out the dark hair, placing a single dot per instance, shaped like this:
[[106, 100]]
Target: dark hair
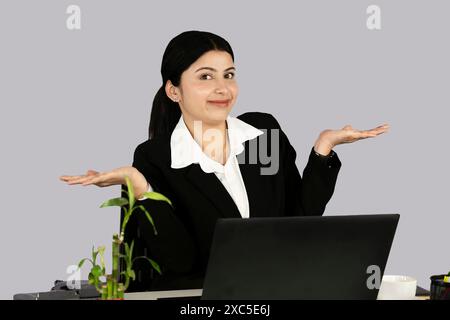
[[181, 52]]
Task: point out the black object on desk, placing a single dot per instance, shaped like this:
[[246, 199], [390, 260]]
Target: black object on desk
[[50, 295], [87, 291], [421, 292], [60, 291]]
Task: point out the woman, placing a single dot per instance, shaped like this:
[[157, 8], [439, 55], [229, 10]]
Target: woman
[[211, 165]]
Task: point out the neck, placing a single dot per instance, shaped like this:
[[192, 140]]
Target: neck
[[212, 138]]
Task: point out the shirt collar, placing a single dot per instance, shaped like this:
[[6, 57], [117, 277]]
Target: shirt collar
[[185, 150]]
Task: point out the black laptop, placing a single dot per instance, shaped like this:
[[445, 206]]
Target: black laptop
[[325, 257]]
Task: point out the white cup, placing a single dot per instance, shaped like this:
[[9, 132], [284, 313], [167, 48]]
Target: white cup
[[397, 288]]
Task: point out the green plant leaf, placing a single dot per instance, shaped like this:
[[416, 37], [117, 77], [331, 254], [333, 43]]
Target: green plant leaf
[[80, 264], [131, 274], [157, 196], [149, 217], [96, 271], [94, 256], [119, 202], [153, 263], [132, 246], [101, 251], [126, 217], [91, 279], [130, 192], [127, 249]]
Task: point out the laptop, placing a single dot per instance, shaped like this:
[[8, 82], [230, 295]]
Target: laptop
[[320, 257]]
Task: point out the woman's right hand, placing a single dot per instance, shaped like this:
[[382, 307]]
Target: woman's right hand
[[109, 178]]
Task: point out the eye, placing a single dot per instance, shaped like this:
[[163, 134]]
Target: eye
[[232, 75], [205, 75], [229, 75]]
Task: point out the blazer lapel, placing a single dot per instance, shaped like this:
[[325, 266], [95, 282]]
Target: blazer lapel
[[211, 187], [258, 197]]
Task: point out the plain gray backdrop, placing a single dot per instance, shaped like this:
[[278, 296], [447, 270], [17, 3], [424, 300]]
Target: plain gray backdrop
[[77, 100]]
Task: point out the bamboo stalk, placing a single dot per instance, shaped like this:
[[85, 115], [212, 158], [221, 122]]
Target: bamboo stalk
[[114, 288], [110, 287], [115, 261], [121, 291], [104, 292]]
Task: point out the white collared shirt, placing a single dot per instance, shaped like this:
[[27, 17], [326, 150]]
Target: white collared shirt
[[186, 151]]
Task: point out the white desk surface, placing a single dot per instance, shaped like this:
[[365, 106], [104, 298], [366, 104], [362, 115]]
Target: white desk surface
[[153, 295]]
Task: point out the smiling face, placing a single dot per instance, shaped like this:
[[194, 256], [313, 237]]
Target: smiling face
[[207, 90]]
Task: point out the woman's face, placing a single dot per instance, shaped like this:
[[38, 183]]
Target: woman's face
[[208, 80]]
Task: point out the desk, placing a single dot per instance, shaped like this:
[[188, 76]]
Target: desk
[[147, 295], [154, 295]]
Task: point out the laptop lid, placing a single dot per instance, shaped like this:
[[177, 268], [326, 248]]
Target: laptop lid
[[320, 257]]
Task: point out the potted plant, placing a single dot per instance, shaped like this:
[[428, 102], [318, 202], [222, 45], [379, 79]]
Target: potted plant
[[108, 285], [440, 287]]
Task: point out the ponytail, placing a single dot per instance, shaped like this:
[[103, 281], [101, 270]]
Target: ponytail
[[165, 115]]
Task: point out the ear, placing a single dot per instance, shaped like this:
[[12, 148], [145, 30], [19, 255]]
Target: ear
[[172, 91]]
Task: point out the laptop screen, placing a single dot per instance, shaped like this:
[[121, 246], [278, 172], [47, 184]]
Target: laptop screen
[[324, 257]]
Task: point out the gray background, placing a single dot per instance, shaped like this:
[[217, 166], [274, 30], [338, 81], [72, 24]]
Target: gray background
[[77, 100]]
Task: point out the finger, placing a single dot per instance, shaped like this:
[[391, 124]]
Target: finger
[[104, 179], [383, 128], [72, 180], [90, 181], [98, 183], [347, 127], [65, 178], [75, 182], [364, 134], [91, 172], [378, 131], [95, 179], [80, 180]]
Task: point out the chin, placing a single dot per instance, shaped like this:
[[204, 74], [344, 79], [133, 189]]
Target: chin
[[217, 116], [218, 112]]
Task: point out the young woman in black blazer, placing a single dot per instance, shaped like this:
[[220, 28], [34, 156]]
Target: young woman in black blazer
[[211, 165]]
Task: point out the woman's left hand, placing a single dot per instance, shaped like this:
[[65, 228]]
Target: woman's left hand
[[328, 139]]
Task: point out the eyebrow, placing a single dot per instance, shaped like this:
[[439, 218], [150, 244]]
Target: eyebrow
[[212, 69]]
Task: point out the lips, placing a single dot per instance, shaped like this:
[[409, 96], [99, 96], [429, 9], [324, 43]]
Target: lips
[[221, 103]]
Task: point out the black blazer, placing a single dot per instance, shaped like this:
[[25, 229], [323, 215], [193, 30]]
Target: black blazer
[[182, 244]]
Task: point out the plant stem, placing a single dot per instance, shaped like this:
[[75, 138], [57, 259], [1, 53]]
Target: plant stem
[[110, 287], [127, 282], [120, 291], [104, 292], [115, 261], [126, 217], [115, 287]]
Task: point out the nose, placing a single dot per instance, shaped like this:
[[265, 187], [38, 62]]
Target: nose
[[221, 87], [220, 91]]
